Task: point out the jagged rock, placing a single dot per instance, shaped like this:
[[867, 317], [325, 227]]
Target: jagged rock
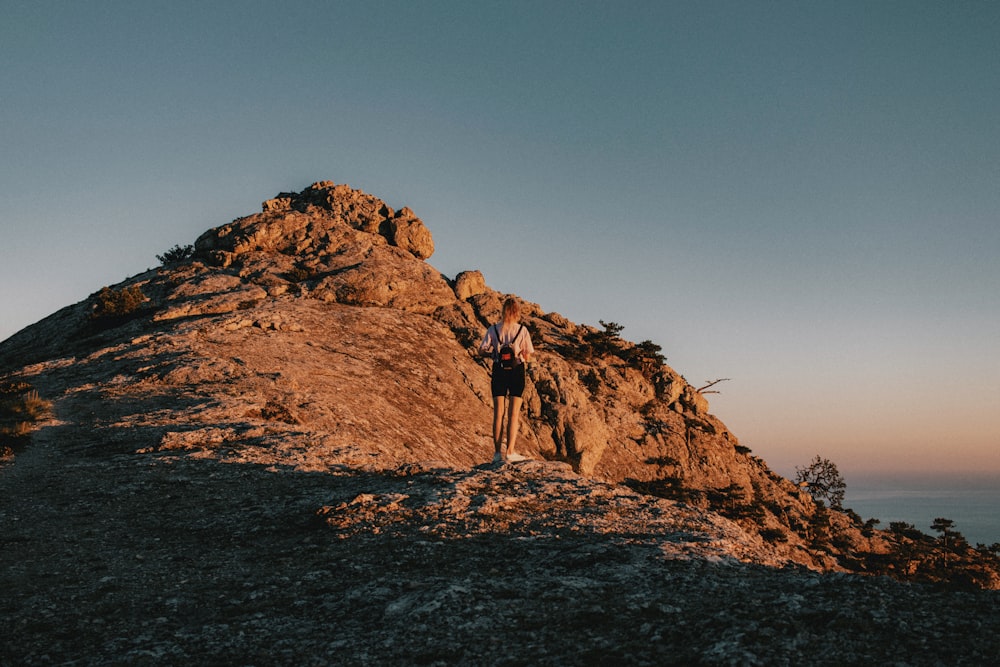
[[278, 204], [407, 231], [291, 270], [694, 400], [314, 382], [314, 222], [214, 294], [469, 284], [385, 278], [572, 423]]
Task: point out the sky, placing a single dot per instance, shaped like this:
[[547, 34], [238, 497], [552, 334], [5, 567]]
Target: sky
[[800, 197]]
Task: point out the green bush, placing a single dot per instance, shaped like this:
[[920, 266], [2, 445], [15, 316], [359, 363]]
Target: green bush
[[118, 303], [647, 353], [176, 254], [647, 356], [113, 307], [605, 342], [903, 529]]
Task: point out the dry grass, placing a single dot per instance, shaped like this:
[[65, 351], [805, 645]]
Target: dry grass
[[20, 409]]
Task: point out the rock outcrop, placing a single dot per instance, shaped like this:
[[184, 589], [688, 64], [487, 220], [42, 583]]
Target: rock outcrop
[[313, 340], [319, 319]]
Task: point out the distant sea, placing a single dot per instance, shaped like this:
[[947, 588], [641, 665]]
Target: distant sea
[[971, 501]]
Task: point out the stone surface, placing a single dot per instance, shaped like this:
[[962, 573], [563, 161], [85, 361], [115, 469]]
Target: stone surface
[[469, 284], [281, 459], [407, 231], [185, 556]]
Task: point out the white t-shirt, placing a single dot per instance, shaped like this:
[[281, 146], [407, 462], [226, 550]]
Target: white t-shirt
[[521, 344]]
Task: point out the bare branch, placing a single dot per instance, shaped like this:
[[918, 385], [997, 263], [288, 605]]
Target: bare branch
[[701, 390]]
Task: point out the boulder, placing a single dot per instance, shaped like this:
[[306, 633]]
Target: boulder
[[407, 231], [469, 284]]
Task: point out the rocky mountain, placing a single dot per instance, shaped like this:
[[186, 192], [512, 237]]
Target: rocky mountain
[[285, 426]]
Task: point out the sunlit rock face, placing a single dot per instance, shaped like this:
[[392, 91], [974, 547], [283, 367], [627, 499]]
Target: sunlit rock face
[[277, 447], [318, 335], [315, 336]]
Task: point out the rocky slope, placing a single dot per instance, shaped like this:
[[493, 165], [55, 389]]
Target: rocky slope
[[319, 319], [272, 448]]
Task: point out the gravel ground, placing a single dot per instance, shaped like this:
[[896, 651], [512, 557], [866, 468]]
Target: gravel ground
[[149, 559]]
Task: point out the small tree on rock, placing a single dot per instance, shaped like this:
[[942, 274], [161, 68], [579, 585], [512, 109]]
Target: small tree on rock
[[943, 526], [822, 481], [951, 538], [176, 254], [605, 342]]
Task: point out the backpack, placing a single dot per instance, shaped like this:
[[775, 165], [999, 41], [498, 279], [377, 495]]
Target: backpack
[[506, 357]]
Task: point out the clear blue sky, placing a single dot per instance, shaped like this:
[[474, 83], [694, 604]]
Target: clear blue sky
[[800, 196]]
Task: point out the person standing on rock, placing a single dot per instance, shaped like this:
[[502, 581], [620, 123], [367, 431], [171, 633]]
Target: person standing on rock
[[509, 343]]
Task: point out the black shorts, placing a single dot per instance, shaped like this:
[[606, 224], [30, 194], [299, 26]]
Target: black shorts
[[506, 382]]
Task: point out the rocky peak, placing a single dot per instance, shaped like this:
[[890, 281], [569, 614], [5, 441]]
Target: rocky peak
[[314, 334], [276, 449], [315, 222]]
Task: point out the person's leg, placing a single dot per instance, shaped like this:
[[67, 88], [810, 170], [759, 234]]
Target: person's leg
[[499, 407], [517, 382], [513, 415]]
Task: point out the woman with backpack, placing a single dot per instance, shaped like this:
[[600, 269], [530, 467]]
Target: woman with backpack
[[509, 343]]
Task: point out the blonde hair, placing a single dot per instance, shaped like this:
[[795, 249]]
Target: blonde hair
[[511, 310]]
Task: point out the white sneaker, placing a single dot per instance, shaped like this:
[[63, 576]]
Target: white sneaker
[[514, 457]]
